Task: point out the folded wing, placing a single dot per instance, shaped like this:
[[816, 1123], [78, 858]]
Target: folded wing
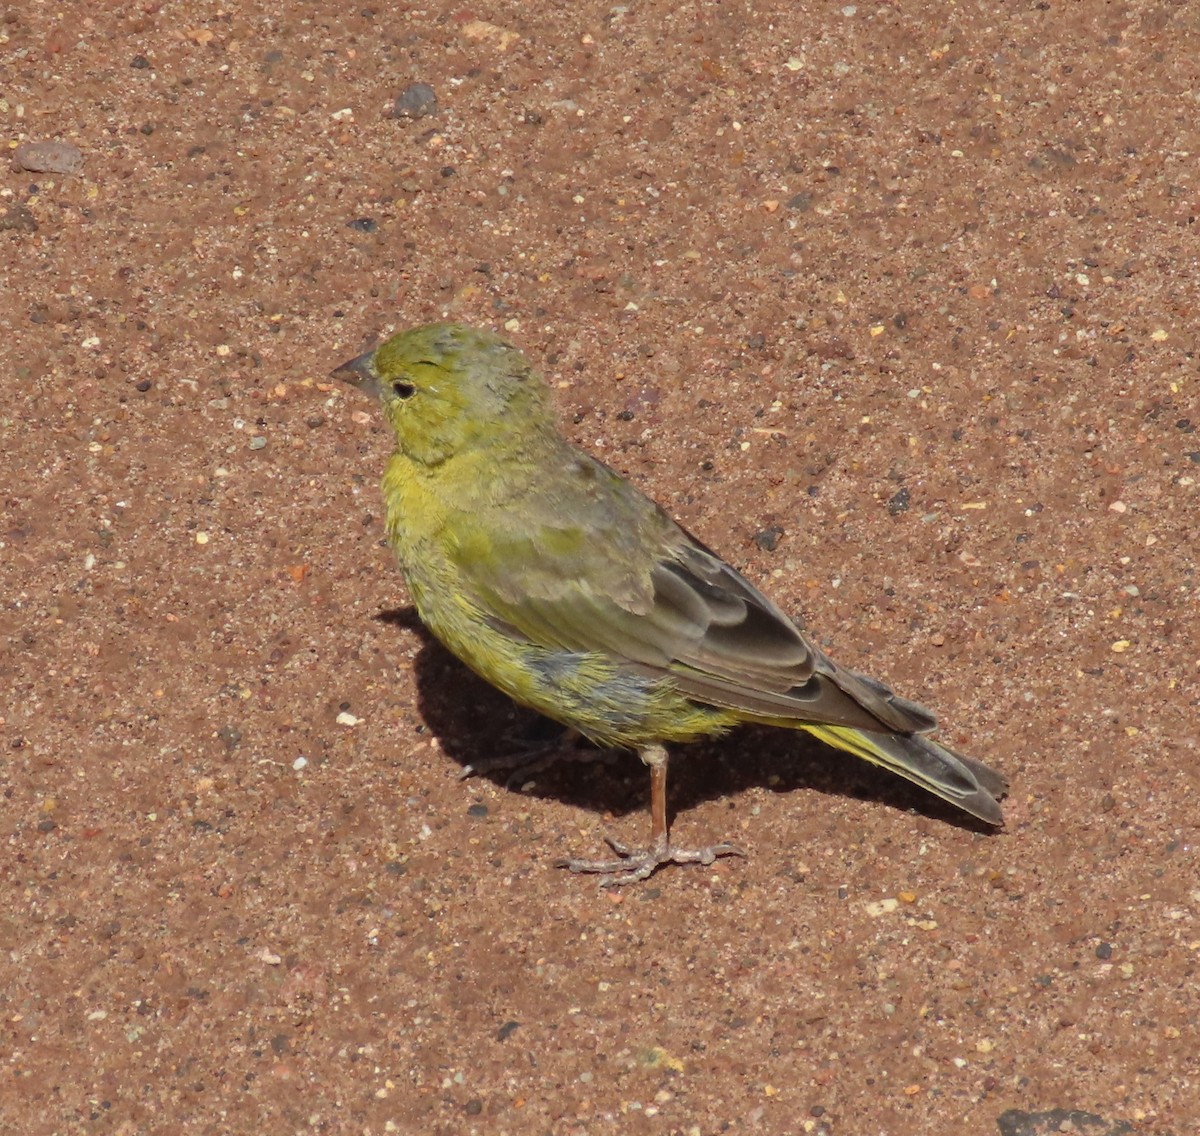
[[602, 568]]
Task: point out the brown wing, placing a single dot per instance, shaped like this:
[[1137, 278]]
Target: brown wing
[[745, 654], [597, 566]]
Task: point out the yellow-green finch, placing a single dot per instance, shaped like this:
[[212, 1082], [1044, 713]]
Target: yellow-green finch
[[555, 579]]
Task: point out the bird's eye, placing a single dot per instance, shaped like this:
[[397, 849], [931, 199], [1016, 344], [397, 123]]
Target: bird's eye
[[401, 389]]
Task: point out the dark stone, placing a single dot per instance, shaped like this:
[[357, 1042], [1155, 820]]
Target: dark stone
[[1016, 1122], [768, 538], [415, 101]]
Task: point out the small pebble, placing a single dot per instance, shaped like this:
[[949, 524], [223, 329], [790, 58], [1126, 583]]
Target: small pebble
[[882, 907], [258, 442], [48, 157], [415, 101], [768, 538]]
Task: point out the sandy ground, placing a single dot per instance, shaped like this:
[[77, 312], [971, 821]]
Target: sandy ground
[[892, 304]]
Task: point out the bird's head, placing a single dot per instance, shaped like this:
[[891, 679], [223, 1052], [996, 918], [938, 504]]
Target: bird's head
[[446, 388]]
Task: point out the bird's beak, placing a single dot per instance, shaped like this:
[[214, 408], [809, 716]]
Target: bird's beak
[[360, 372]]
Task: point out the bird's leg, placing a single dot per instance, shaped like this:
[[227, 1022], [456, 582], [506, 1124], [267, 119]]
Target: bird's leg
[[565, 747], [639, 863]]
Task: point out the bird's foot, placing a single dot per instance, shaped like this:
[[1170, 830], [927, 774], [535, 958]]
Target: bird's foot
[[634, 864], [570, 747]]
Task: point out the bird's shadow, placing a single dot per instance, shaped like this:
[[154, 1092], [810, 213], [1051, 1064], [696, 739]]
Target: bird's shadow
[[474, 722]]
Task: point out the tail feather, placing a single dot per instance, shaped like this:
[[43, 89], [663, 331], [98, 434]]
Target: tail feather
[[969, 784]]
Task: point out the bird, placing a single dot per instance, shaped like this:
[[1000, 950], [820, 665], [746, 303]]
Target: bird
[[559, 582]]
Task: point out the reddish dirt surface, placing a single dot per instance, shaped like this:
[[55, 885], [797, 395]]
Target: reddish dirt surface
[[909, 292]]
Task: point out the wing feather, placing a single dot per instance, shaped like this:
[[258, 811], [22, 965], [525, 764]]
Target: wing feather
[[602, 568]]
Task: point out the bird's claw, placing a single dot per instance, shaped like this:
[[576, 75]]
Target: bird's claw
[[636, 864]]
